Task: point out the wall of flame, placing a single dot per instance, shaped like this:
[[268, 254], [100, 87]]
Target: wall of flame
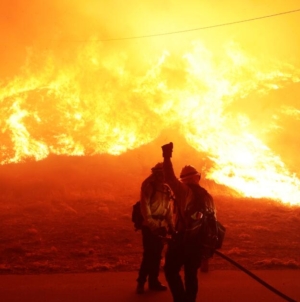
[[232, 92]]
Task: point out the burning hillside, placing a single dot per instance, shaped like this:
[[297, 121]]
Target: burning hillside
[[68, 88], [97, 175], [223, 111]]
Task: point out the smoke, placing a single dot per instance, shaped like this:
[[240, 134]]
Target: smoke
[[65, 25]]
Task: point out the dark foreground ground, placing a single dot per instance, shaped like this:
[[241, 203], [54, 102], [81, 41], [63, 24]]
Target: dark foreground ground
[[215, 286]]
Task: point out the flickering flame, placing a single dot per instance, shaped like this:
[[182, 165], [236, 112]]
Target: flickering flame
[[90, 98], [100, 106]]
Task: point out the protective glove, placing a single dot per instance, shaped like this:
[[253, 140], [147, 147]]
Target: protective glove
[[167, 150]]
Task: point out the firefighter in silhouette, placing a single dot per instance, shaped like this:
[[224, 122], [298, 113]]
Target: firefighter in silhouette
[[157, 212], [184, 251]]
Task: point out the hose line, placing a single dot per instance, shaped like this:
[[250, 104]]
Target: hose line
[[274, 290]]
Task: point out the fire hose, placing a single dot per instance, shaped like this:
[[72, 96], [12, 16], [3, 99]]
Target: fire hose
[[271, 288]]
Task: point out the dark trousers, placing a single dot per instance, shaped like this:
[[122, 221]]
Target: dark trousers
[[179, 255], [153, 247]]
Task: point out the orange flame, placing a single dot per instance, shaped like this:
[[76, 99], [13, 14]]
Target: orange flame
[[99, 104]]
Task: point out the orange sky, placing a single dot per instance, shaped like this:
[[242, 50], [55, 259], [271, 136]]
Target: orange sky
[[66, 24]]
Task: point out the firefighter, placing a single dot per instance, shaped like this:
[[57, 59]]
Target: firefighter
[[157, 215], [183, 252]]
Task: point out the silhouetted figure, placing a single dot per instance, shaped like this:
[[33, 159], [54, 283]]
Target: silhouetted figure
[[157, 213], [183, 250]]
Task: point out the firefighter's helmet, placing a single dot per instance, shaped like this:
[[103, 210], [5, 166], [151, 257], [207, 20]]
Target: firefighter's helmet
[[188, 171]]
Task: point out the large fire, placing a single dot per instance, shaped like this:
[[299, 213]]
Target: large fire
[[93, 100]]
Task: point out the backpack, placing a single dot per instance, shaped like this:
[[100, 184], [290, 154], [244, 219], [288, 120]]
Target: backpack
[[202, 228], [136, 215]]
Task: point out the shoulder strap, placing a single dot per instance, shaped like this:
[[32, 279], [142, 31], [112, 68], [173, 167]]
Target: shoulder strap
[[169, 192]]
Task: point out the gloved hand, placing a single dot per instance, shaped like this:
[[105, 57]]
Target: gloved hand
[[160, 232], [167, 150]]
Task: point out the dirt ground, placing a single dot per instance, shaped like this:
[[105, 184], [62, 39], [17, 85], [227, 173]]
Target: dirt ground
[[92, 235], [64, 216]]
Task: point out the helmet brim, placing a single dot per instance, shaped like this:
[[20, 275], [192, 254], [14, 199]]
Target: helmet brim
[[188, 175]]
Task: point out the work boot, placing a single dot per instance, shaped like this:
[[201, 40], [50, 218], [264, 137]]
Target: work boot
[[157, 286], [140, 288]]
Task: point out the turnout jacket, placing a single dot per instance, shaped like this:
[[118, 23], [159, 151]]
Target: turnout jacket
[[183, 195], [155, 203]]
